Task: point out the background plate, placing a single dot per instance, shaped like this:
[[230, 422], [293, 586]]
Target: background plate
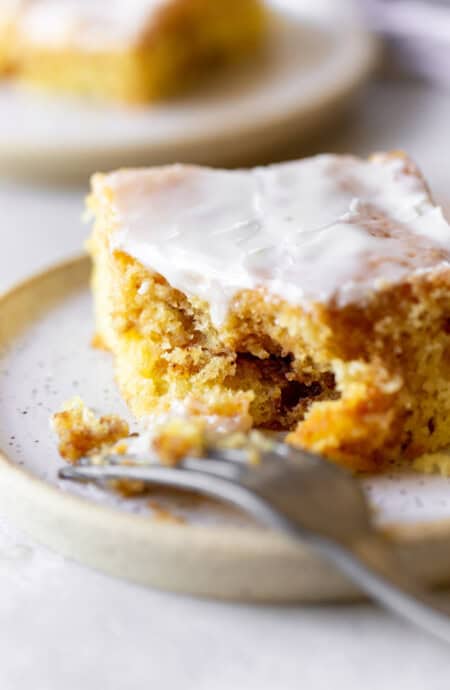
[[319, 53], [45, 358]]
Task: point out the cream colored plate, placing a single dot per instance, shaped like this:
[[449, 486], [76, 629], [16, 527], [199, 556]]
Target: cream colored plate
[[319, 53], [45, 358]]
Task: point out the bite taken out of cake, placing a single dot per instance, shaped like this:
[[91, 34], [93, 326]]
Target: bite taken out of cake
[[311, 297]]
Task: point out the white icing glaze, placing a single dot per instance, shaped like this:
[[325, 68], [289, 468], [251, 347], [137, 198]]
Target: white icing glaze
[[90, 24], [328, 228]]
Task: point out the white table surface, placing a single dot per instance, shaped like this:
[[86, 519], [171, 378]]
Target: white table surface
[[64, 627]]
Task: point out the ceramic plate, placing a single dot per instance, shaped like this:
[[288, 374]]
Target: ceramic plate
[[203, 548], [318, 54]]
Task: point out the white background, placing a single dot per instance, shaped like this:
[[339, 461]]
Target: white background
[[63, 627]]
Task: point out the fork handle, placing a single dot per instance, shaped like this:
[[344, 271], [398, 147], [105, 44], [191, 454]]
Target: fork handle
[[369, 562], [373, 565]]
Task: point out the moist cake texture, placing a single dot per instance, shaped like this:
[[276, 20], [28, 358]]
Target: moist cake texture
[[311, 297], [133, 51]]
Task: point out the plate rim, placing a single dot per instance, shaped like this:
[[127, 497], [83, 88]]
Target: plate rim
[[17, 482]]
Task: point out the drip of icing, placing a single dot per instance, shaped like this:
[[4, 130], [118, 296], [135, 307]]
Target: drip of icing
[[325, 229], [88, 23]]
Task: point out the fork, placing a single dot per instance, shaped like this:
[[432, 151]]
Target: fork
[[303, 496]]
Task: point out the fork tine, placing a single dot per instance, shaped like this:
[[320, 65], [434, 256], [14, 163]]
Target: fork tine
[[151, 474], [218, 465], [229, 455], [224, 463], [112, 467], [206, 483]]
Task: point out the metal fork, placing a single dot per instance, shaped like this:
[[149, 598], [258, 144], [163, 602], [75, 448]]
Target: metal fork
[[305, 497]]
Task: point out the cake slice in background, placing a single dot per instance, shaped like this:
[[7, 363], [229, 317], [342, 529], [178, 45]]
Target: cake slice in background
[[132, 51], [311, 297]]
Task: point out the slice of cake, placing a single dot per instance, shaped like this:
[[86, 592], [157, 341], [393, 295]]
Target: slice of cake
[[132, 51], [311, 296]]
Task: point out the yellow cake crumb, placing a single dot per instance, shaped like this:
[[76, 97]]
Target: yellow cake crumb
[[81, 432], [163, 514], [178, 438], [433, 463]]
